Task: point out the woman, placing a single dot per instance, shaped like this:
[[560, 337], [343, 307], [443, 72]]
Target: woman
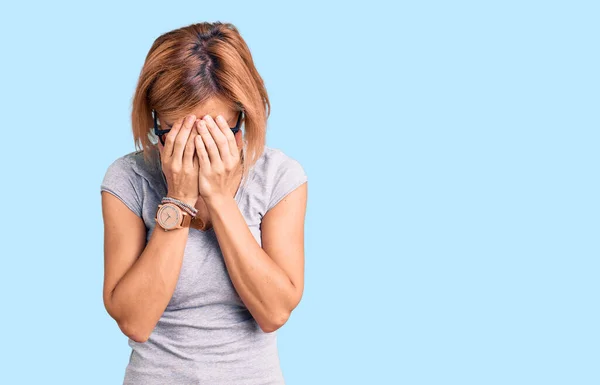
[[201, 298]]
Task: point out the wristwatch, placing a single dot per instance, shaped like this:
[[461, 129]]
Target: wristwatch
[[170, 217]]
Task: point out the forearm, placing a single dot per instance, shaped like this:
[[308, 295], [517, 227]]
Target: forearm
[[141, 296], [263, 286]]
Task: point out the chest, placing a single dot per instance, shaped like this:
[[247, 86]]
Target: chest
[[204, 278]]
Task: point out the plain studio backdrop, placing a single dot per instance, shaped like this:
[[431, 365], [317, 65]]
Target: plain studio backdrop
[[452, 157]]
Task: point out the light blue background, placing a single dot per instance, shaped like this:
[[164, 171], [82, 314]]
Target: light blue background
[[452, 156]]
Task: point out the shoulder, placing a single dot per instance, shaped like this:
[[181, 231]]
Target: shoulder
[[123, 181], [133, 165], [273, 162], [130, 171], [120, 167], [276, 174]]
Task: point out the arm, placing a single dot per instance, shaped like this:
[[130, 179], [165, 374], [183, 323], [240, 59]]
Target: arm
[[139, 279], [269, 280]]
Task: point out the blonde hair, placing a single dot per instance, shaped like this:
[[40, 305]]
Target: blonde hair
[[187, 66]]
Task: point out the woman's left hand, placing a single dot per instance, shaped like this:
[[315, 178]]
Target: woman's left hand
[[219, 158]]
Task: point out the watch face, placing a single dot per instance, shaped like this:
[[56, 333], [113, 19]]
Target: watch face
[[169, 216]]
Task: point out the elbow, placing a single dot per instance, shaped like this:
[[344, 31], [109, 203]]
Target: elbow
[[132, 330], [275, 322], [136, 333]]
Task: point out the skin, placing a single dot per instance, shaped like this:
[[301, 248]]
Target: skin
[[140, 278], [211, 108]]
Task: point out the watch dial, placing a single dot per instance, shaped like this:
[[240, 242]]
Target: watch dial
[[169, 217]]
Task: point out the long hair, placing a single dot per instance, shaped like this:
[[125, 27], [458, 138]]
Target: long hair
[[189, 65]]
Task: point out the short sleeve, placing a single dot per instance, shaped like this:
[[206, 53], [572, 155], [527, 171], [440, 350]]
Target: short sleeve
[[121, 181], [289, 176]]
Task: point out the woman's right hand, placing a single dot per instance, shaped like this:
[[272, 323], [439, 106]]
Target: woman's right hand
[[180, 166]]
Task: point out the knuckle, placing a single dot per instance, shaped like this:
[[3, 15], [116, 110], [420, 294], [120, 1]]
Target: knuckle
[[221, 140], [176, 167], [181, 139], [175, 129], [189, 121], [170, 137]]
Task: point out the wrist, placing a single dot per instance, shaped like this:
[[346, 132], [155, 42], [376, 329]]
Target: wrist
[[173, 215], [215, 201], [188, 208], [187, 200]]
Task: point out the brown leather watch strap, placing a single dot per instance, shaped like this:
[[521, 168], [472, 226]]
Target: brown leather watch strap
[[199, 225], [187, 219]]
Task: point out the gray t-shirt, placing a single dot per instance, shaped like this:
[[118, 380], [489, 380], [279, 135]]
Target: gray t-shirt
[[206, 335]]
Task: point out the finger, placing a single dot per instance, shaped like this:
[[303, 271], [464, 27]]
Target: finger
[[209, 143], [226, 130], [170, 139], [190, 150], [195, 159], [203, 158], [218, 137], [161, 148], [182, 137]]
